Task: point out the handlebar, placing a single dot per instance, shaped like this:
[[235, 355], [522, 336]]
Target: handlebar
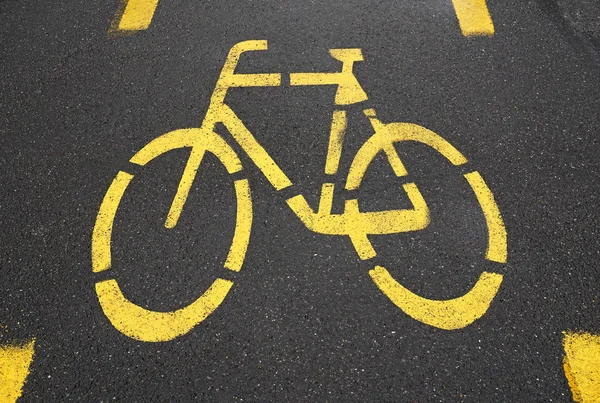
[[228, 78], [349, 89]]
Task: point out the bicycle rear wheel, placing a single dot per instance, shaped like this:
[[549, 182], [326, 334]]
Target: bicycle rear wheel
[[152, 326]]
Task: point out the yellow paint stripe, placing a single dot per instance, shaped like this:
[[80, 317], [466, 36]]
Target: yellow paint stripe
[[145, 325], [450, 314], [326, 200], [185, 184], [473, 17], [243, 225], [497, 248], [14, 368], [137, 15], [388, 134], [104, 222], [200, 140], [252, 147], [336, 141], [394, 160], [582, 365]]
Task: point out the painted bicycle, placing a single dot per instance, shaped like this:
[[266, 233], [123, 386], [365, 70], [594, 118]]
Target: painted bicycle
[[146, 325]]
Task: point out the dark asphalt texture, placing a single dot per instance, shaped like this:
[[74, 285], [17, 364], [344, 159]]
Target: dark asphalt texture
[[304, 322]]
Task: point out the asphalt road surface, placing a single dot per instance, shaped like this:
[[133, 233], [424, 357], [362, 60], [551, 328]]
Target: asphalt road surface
[[304, 319]]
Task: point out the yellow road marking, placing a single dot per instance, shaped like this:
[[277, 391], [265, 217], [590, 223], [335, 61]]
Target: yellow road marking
[[145, 325], [349, 90], [357, 224], [336, 141], [104, 222], [582, 365], [140, 323], [14, 368], [137, 15], [473, 17], [243, 226], [497, 249], [448, 315], [384, 138]]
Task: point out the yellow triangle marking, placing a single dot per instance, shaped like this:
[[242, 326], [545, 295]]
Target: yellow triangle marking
[[14, 368], [582, 365]]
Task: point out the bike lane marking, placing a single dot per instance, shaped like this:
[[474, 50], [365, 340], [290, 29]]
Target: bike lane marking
[[137, 15], [473, 16], [146, 325], [14, 368], [582, 365]]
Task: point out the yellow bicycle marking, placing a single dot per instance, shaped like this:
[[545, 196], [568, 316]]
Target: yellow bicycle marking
[[101, 236], [336, 141], [383, 139], [357, 225], [151, 326], [131, 319], [473, 17], [14, 369], [582, 365], [497, 249], [243, 225], [450, 314]]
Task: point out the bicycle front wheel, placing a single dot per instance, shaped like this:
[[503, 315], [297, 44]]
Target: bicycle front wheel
[[448, 314], [152, 326]]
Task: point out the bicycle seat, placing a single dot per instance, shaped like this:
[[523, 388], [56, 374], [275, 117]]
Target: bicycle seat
[[349, 89]]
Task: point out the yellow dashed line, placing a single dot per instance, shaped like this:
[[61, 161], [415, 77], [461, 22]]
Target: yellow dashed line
[[473, 17], [582, 365], [14, 368], [137, 15]]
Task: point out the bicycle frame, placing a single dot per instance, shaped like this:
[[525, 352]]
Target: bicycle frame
[[352, 222]]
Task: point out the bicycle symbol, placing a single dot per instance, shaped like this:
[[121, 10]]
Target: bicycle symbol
[[146, 325]]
